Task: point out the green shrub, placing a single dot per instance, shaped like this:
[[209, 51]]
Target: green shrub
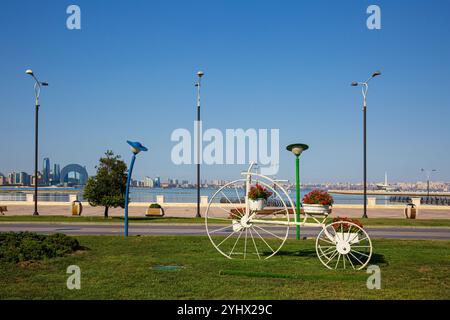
[[26, 246], [155, 206]]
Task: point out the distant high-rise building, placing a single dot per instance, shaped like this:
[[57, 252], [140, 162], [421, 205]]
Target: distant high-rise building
[[46, 171], [157, 183], [56, 174]]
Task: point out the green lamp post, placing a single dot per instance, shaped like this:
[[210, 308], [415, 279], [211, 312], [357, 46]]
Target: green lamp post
[[297, 149]]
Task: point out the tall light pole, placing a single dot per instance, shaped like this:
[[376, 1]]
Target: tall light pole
[[297, 149], [428, 173], [365, 89], [37, 91], [136, 147], [198, 85]]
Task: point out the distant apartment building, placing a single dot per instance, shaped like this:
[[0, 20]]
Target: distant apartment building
[[16, 178], [148, 182], [32, 178]]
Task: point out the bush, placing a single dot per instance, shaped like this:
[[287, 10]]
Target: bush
[[155, 206], [27, 246], [318, 197], [259, 192]]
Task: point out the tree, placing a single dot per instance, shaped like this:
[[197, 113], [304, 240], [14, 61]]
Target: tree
[[107, 188]]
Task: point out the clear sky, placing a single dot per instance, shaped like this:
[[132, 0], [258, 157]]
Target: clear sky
[[129, 73]]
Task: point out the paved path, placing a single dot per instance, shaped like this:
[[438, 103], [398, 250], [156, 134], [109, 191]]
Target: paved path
[[424, 233], [134, 211]]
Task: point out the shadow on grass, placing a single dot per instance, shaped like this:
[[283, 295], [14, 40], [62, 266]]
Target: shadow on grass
[[376, 258]]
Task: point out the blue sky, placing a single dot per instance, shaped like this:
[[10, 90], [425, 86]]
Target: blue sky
[[129, 73]]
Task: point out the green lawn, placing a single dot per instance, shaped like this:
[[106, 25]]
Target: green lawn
[[83, 219], [118, 268]]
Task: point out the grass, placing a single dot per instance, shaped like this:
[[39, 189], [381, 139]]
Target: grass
[[85, 219], [119, 268]]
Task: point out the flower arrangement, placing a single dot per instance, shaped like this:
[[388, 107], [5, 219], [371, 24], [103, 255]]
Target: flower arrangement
[[345, 227], [318, 197], [258, 192]]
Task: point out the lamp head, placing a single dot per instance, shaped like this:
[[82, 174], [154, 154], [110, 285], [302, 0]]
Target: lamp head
[[297, 148], [354, 84], [200, 74], [29, 71], [136, 147], [45, 84], [376, 73]]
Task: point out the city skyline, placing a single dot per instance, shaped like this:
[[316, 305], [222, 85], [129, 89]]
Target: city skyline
[[295, 72], [157, 180]]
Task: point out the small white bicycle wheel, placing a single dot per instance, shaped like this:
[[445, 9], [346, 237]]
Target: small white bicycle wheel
[[260, 235], [342, 245]]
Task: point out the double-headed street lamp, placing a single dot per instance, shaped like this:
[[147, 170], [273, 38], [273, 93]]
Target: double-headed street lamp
[[136, 147], [428, 173], [37, 91], [297, 149], [198, 84], [365, 89]]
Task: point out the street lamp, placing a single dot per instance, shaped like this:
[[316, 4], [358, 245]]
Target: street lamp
[[365, 89], [428, 173], [297, 149], [136, 147], [198, 84], [37, 91]]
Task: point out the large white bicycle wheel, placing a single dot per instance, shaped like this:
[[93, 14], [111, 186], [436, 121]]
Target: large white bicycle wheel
[[259, 235], [342, 245]]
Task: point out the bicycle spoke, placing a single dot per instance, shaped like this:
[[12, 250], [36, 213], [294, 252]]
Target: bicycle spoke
[[273, 251], [350, 262], [326, 252], [354, 237], [356, 258], [337, 263], [332, 257], [237, 194], [220, 229], [228, 212], [232, 249], [361, 240], [360, 253], [273, 234], [327, 241], [245, 243], [254, 244], [230, 202], [226, 238], [220, 219]]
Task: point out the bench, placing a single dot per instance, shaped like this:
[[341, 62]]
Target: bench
[[3, 209], [154, 212]]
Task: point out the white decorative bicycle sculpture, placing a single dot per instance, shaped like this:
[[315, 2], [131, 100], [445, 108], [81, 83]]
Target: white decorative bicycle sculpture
[[246, 231]]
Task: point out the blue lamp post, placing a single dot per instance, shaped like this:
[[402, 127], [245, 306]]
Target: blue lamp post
[[136, 147]]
